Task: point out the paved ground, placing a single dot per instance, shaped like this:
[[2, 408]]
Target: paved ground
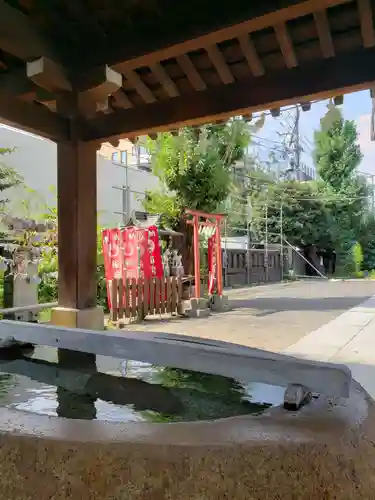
[[347, 339], [272, 317]]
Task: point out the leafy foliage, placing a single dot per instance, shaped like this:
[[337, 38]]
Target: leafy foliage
[[337, 154], [357, 255], [305, 216], [332, 213], [8, 176], [194, 167]]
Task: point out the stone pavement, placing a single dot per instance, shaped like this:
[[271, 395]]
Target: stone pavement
[[348, 339], [270, 317]]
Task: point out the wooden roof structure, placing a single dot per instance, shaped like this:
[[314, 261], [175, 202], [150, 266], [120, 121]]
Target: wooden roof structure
[[141, 66]]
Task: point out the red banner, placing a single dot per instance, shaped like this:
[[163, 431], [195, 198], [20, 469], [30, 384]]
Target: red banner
[[212, 264], [155, 253], [131, 253], [112, 256]]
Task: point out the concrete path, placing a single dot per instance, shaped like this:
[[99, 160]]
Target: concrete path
[[348, 339], [271, 317]]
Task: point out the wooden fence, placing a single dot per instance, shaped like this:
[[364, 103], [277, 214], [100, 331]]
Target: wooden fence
[[137, 298], [252, 268]]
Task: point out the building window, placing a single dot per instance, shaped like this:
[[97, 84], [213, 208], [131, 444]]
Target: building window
[[116, 156], [139, 151], [124, 157]]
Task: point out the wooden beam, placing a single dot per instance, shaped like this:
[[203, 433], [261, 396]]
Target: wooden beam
[[341, 74], [194, 353], [269, 17], [219, 63], [108, 82], [191, 72], [48, 75], [324, 33], [33, 118], [19, 36], [275, 112], [286, 45], [121, 100], [135, 81], [250, 53], [16, 83], [367, 23], [167, 83]]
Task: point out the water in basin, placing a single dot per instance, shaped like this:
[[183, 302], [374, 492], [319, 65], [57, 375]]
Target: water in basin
[[74, 386]]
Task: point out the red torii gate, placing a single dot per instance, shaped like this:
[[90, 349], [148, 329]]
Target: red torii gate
[[210, 220]]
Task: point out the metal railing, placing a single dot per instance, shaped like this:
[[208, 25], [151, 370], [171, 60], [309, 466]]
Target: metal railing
[[31, 308]]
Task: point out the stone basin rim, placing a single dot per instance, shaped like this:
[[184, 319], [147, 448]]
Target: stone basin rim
[[321, 420]]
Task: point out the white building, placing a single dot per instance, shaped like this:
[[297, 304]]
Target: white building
[[123, 173]]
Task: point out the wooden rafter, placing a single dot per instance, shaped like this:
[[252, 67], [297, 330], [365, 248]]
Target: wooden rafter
[[48, 75], [219, 63], [148, 57], [195, 79], [121, 100], [367, 23], [15, 82], [324, 33], [351, 72], [250, 53], [33, 118], [135, 81], [286, 45], [167, 83], [19, 36]]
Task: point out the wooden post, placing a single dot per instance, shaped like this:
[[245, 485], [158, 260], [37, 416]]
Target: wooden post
[[197, 271], [77, 224], [219, 259], [76, 184]]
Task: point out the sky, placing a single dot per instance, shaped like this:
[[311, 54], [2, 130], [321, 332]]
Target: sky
[[357, 107]]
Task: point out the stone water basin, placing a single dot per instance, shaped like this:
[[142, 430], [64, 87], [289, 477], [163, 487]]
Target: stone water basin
[[76, 427], [108, 389]]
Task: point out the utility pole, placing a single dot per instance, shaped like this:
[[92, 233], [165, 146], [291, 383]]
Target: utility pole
[[297, 147], [292, 146]]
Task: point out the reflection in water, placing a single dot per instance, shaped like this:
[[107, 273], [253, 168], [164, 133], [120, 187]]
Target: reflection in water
[[79, 385]]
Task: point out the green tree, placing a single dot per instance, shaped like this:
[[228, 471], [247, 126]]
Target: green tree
[[247, 186], [337, 156], [306, 218], [8, 176], [194, 169]]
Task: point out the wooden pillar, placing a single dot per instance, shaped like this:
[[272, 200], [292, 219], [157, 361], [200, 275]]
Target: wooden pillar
[[77, 226], [197, 270]]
